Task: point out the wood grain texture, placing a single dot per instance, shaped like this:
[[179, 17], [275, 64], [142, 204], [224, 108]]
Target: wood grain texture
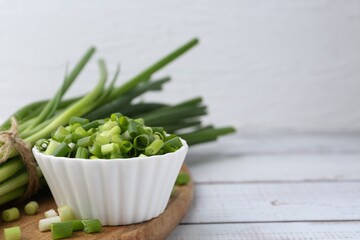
[[269, 202], [276, 143], [277, 157], [269, 231], [277, 168], [155, 229]]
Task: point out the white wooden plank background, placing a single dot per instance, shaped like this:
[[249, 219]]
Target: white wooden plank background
[[268, 202], [280, 143], [294, 187], [297, 157], [270, 231], [286, 167]]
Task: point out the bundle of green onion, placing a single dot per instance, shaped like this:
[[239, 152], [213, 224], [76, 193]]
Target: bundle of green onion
[[39, 119], [114, 137]]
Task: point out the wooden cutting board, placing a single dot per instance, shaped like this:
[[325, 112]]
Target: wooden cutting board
[[156, 229]]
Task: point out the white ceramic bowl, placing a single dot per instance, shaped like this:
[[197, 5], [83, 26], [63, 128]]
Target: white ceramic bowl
[[116, 191]]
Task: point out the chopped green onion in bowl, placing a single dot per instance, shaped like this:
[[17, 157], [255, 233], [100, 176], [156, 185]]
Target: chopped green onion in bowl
[[118, 170], [115, 137]]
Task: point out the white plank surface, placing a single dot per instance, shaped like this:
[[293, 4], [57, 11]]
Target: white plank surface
[[268, 202], [269, 231], [278, 143], [276, 167], [277, 157], [275, 187]]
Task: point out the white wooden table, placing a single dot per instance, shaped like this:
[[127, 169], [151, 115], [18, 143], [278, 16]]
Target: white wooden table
[[275, 187]]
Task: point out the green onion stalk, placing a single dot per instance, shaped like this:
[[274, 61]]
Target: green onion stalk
[[39, 119]]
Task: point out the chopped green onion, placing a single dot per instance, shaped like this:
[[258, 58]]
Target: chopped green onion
[[132, 128], [60, 134], [80, 120], [139, 120], [10, 214], [154, 147], [108, 125], [133, 152], [148, 130], [114, 131], [85, 141], [107, 141], [31, 208], [77, 225], [53, 145], [45, 224], [123, 121], [42, 144], [79, 133], [182, 179], [158, 129], [62, 150], [126, 135], [173, 144], [70, 128], [116, 138], [61, 230], [96, 150], [93, 124], [141, 141], [115, 116], [101, 140], [108, 148], [91, 131], [68, 139], [12, 233], [92, 225], [125, 146], [50, 213], [66, 213], [82, 152], [116, 155], [159, 135]]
